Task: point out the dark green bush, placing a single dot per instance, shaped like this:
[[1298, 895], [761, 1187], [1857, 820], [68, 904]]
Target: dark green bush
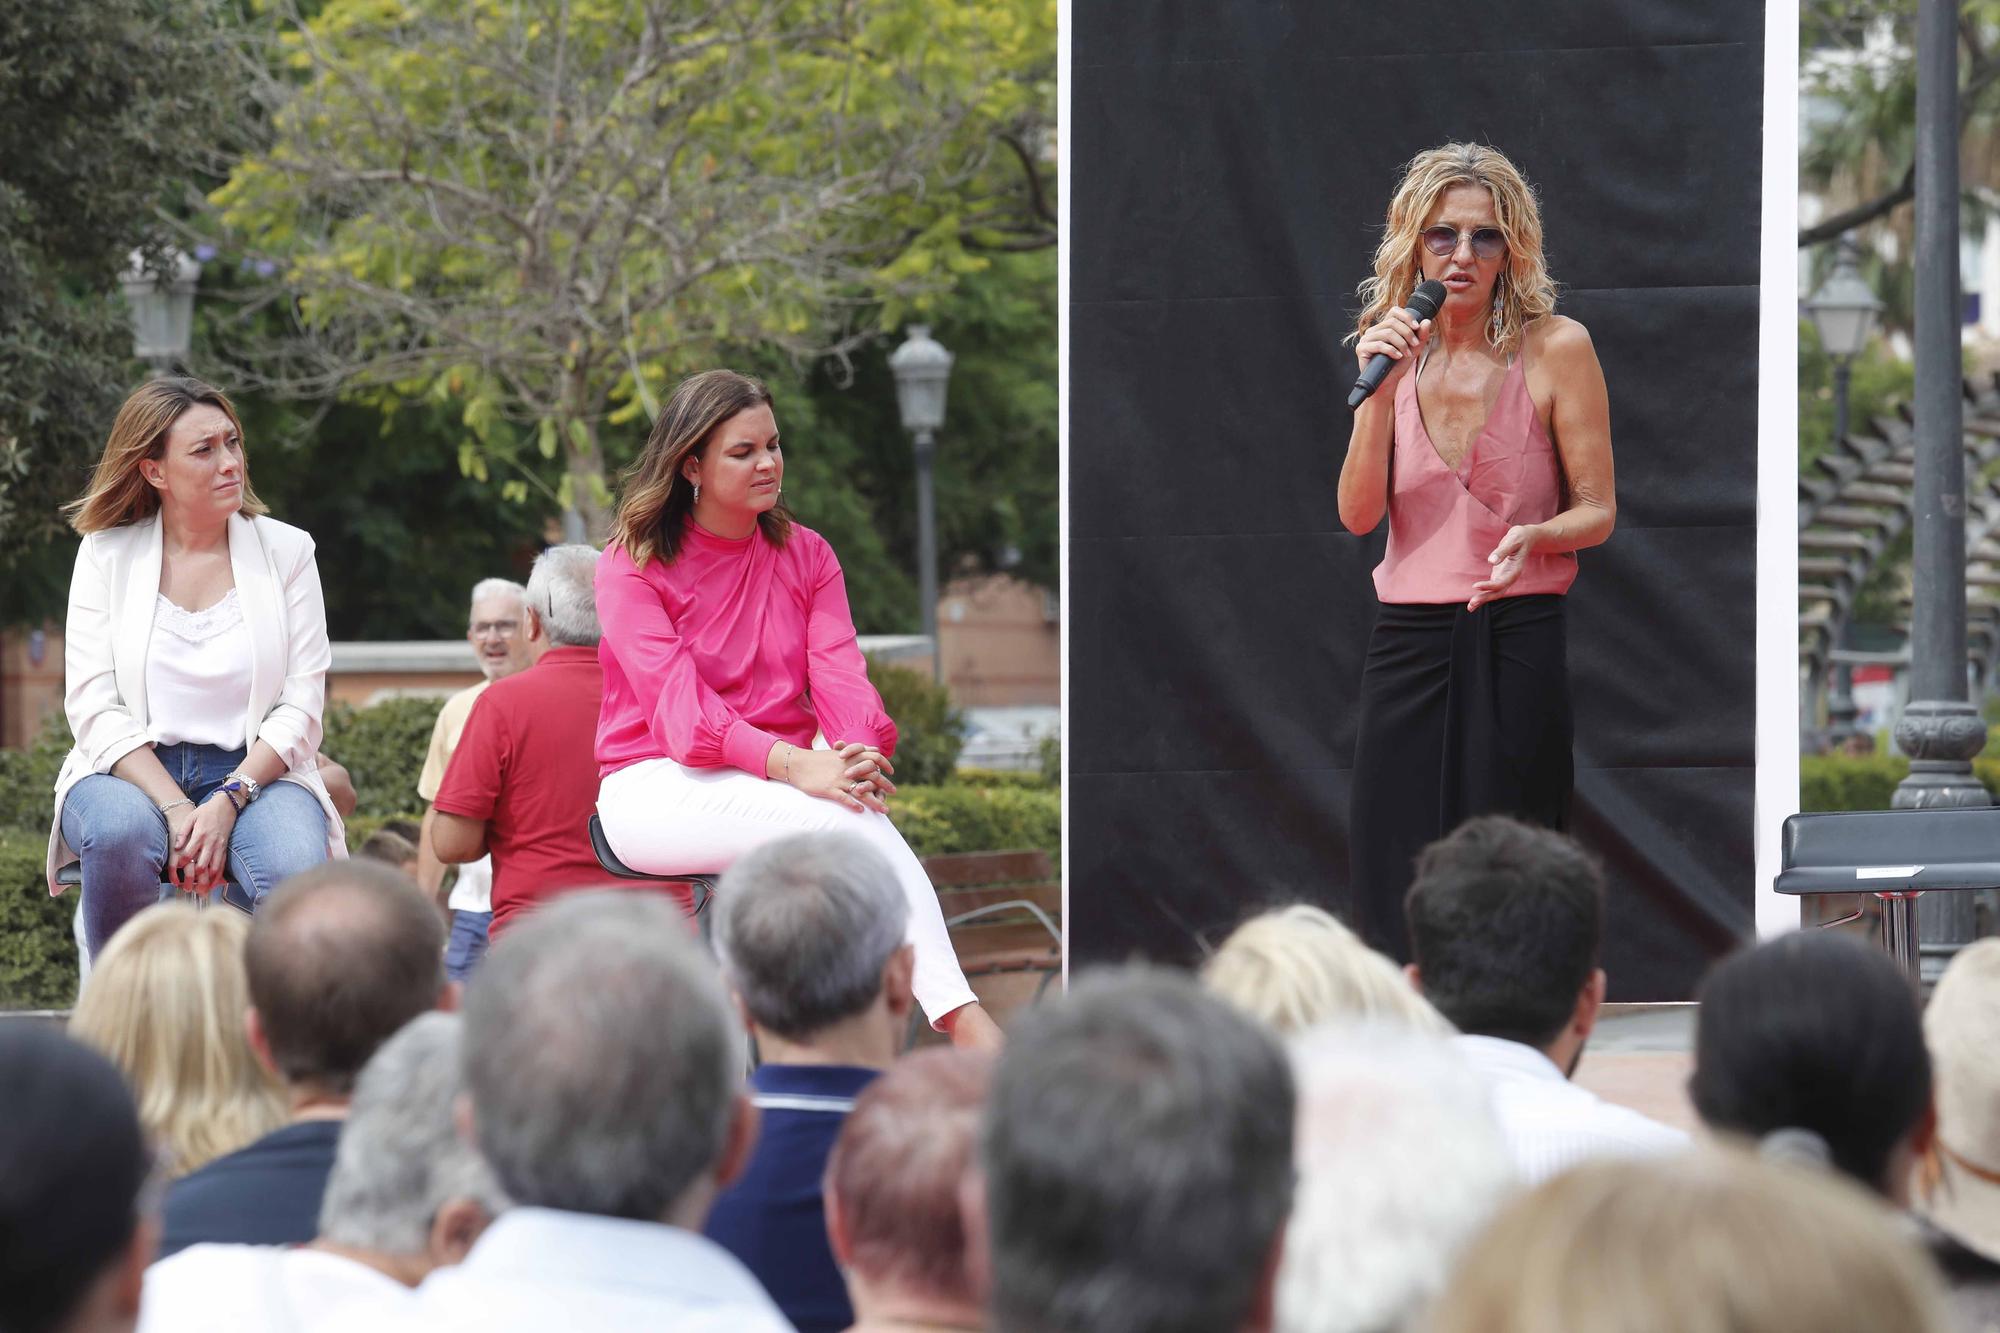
[[37, 951], [28, 778], [929, 731], [936, 820], [382, 747], [1867, 782], [1028, 779]]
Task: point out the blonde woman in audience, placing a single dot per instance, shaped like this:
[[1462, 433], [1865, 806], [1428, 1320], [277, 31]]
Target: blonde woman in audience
[[165, 1002], [1298, 966], [1716, 1240]]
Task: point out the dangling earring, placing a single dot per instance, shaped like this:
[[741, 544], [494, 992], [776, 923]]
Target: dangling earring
[[697, 492]]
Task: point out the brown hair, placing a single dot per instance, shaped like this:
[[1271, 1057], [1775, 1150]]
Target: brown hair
[[1712, 1241], [117, 493], [894, 1171], [657, 497], [389, 847], [1524, 293], [339, 958]]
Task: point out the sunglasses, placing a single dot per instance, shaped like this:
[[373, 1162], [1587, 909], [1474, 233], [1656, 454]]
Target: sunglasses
[[1487, 242]]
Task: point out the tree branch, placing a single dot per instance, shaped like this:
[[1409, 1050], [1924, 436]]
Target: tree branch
[[1843, 222]]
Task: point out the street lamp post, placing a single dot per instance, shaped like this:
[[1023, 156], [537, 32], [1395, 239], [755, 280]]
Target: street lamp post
[[1843, 310], [1939, 729], [923, 368], [162, 312]]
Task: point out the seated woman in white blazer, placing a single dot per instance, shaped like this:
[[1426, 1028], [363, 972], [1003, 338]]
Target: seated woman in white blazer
[[195, 668]]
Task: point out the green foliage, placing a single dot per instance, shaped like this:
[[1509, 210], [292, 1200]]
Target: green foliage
[[1051, 760], [383, 748], [37, 951], [1881, 384], [929, 731], [1024, 779], [28, 778], [936, 820], [1867, 782], [105, 108]]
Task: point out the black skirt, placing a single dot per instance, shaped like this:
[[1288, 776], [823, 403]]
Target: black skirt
[[1462, 713]]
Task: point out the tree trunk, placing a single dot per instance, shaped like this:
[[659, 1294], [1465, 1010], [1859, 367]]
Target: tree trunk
[[584, 460]]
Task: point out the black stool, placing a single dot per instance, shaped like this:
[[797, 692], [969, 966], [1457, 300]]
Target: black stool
[[702, 885], [1897, 855]]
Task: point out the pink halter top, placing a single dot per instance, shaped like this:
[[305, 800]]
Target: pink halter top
[[1444, 523]]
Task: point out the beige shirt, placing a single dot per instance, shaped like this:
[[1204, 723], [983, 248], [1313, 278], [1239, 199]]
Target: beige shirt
[[472, 891]]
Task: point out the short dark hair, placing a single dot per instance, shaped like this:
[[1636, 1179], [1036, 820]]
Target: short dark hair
[[1816, 1031], [1506, 921], [339, 958], [72, 1163], [1137, 1148], [388, 847]]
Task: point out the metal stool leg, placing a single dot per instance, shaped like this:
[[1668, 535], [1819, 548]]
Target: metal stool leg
[[1899, 930]]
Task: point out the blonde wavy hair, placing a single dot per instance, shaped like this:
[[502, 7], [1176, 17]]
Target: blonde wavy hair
[[658, 499], [1709, 1241], [1524, 293], [1297, 967], [165, 1002], [118, 494]]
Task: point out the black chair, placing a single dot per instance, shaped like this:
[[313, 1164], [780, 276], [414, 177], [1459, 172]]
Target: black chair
[[1897, 855], [702, 885], [229, 891]]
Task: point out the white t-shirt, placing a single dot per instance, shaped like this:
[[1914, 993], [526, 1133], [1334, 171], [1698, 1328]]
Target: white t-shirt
[[198, 674], [1550, 1123], [260, 1289]]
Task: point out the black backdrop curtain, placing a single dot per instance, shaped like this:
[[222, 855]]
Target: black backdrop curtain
[[1231, 163]]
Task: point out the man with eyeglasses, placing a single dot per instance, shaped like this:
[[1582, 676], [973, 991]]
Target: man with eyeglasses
[[508, 640]]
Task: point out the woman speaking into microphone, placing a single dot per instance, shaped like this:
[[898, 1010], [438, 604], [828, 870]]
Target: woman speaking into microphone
[[1488, 448]]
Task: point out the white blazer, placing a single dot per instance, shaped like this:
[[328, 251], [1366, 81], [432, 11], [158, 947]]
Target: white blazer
[[111, 602]]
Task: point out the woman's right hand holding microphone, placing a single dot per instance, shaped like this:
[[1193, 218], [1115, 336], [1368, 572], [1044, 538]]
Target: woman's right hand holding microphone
[[1398, 336]]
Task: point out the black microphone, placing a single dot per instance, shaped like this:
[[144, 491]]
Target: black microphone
[[1424, 303]]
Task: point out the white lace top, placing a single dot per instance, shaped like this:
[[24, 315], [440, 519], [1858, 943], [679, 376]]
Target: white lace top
[[198, 674]]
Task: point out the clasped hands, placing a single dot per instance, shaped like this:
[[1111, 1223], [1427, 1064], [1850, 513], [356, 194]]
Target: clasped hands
[[198, 843], [854, 775]]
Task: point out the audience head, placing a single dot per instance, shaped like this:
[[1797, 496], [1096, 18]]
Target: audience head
[[892, 1183], [604, 1065], [1505, 921], [407, 1191], [499, 630], [1816, 1031], [1299, 966], [391, 849], [1962, 1028], [1136, 1162], [165, 1002], [1705, 1241], [810, 932], [339, 958], [562, 594], [75, 1235], [1401, 1163]]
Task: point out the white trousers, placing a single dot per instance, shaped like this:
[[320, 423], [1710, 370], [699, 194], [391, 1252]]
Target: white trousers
[[664, 819]]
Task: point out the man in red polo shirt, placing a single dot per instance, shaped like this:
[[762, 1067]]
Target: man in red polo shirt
[[523, 781]]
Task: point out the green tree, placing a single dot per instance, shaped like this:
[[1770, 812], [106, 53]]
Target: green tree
[[542, 215], [106, 106]]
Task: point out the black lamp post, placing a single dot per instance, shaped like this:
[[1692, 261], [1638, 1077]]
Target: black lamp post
[[162, 309], [1844, 311], [923, 368]]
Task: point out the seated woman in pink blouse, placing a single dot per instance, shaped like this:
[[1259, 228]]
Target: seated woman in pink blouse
[[727, 647]]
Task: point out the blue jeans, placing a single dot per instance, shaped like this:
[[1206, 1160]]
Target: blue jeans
[[468, 943], [121, 836]]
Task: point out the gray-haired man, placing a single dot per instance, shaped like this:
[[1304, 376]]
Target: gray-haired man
[[605, 1073], [523, 781], [1135, 1163], [810, 930], [408, 1194]]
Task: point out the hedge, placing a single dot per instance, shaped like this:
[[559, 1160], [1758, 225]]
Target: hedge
[[1867, 782], [382, 747], [37, 950]]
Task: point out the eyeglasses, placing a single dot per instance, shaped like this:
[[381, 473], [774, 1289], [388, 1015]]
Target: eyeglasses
[[1487, 242], [505, 629]]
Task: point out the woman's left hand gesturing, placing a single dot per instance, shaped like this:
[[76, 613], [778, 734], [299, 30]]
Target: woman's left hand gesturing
[[1507, 559], [203, 848]]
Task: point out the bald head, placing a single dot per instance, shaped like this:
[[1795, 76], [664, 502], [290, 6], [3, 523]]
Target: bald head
[[339, 958]]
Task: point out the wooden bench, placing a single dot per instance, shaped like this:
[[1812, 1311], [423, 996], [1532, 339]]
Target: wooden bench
[[1004, 911]]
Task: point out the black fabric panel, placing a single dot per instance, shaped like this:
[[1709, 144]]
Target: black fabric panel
[[1231, 162]]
